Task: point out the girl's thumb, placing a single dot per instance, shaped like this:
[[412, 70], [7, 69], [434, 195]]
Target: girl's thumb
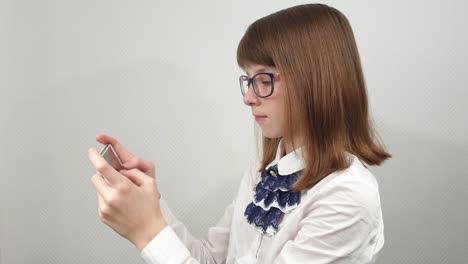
[[130, 164]]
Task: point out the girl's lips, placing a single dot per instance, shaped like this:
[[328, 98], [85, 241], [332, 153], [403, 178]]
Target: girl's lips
[[260, 118]]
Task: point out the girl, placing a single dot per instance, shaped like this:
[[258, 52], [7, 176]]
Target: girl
[[310, 198]]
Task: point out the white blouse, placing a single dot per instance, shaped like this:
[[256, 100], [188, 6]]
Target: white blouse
[[339, 220]]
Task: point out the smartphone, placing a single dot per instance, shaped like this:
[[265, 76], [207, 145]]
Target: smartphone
[[109, 154]]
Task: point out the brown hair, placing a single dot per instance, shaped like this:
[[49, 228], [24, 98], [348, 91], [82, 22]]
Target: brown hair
[[314, 49]]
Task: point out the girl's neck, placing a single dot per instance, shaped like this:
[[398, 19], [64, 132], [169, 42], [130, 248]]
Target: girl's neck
[[286, 149]]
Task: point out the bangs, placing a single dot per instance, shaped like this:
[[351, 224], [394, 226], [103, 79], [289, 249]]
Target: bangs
[[254, 47]]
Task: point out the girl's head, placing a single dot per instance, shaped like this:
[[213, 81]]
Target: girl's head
[[319, 99]]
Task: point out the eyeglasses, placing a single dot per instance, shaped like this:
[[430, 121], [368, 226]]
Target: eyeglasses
[[262, 83]]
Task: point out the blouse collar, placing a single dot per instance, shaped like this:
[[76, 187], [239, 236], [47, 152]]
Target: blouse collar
[[291, 162]]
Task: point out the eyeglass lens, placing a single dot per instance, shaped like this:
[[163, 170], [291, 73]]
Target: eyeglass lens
[[262, 84]]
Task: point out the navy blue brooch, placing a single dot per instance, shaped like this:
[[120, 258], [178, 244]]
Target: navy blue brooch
[[273, 197]]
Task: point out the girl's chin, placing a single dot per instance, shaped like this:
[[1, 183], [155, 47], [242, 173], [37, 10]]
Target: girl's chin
[[270, 135]]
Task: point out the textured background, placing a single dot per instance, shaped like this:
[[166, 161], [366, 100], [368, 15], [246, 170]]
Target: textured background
[[161, 76]]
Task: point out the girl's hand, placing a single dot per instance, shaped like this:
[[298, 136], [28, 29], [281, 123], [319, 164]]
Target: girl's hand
[[128, 201], [129, 161]]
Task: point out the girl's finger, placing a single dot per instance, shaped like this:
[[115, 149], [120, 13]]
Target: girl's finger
[[138, 163], [112, 176], [122, 152], [136, 176], [101, 201], [104, 215], [102, 188]]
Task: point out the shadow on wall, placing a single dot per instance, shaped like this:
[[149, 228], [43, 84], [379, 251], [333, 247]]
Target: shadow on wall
[[423, 193]]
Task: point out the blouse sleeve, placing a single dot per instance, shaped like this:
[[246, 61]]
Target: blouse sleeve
[[338, 227], [175, 244]]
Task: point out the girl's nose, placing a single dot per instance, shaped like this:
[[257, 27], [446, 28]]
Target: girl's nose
[[250, 98]]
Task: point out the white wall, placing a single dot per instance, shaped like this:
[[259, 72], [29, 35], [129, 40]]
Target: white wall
[[161, 76]]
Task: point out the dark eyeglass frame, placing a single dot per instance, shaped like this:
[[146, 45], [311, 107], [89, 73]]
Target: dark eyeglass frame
[[273, 78]]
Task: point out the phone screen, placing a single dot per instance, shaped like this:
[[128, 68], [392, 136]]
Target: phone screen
[[109, 154]]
